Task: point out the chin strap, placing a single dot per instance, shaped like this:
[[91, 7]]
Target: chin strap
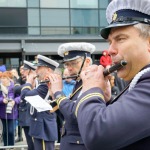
[[85, 55]]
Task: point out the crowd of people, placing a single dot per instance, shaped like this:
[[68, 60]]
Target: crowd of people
[[15, 111], [94, 111], [46, 127]]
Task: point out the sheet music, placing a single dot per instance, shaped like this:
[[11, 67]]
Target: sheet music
[[38, 103]]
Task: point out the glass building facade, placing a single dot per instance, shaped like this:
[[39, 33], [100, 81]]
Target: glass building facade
[[49, 17], [30, 27]]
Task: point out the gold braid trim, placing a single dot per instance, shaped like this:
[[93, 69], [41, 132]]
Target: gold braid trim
[[26, 87], [59, 100], [75, 91], [17, 84], [43, 145], [86, 98]]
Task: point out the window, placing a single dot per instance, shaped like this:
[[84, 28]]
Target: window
[[55, 17], [13, 20], [85, 30], [33, 3], [103, 21], [84, 3], [33, 17], [34, 31], [54, 31], [84, 18], [103, 3], [13, 3], [54, 3]]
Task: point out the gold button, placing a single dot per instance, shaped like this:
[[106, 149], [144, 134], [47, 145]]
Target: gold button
[[78, 142]]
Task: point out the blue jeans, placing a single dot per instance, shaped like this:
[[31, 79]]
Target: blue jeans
[[8, 131]]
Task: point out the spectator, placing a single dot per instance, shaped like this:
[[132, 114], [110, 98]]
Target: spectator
[[114, 89], [68, 84], [105, 60], [8, 109], [17, 82]]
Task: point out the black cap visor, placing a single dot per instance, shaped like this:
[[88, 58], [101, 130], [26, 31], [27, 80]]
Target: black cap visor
[[39, 65], [71, 59], [45, 65], [106, 31]]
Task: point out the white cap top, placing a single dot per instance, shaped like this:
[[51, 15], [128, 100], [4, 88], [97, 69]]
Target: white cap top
[[122, 13], [29, 65], [142, 6], [45, 61], [71, 51]]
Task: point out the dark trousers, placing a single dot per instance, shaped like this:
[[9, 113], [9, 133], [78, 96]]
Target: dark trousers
[[28, 139], [20, 132], [40, 144], [8, 131], [59, 127]]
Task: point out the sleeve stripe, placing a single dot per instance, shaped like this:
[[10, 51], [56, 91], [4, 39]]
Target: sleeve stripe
[[26, 87], [17, 84], [86, 98], [60, 100]]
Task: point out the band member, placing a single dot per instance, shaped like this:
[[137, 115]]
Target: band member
[[24, 107], [76, 57], [124, 124], [43, 127]]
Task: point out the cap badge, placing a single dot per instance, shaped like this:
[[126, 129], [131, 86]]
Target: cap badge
[[66, 53], [114, 17]]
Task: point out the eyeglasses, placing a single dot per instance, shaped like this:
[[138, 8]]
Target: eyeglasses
[[72, 64]]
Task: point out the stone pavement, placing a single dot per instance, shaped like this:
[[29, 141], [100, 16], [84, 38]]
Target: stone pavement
[[22, 145]]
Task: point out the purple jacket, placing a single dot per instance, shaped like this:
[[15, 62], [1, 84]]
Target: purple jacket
[[14, 114]]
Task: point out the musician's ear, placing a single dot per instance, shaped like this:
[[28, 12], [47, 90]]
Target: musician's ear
[[88, 61]]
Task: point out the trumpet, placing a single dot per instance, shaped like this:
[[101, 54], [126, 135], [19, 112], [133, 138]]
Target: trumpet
[[105, 73]]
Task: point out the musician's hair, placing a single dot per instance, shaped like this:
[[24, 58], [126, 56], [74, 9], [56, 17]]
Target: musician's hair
[[144, 29]]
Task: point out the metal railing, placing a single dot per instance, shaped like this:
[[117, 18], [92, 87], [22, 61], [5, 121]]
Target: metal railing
[[23, 147]]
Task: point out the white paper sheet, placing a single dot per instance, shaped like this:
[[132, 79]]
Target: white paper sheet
[[38, 103]]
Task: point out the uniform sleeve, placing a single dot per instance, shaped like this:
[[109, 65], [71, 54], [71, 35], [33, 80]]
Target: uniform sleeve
[[65, 105], [27, 90], [17, 89], [117, 125]]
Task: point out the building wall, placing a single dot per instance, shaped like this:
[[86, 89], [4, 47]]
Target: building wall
[[31, 27]]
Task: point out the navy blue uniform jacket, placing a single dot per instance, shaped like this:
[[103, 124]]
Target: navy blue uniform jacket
[[23, 108], [71, 138], [43, 124], [123, 124]]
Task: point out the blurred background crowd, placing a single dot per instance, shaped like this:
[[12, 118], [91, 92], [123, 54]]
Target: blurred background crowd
[[11, 131]]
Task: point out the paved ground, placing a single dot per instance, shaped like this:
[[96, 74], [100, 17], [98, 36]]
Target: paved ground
[[24, 144]]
